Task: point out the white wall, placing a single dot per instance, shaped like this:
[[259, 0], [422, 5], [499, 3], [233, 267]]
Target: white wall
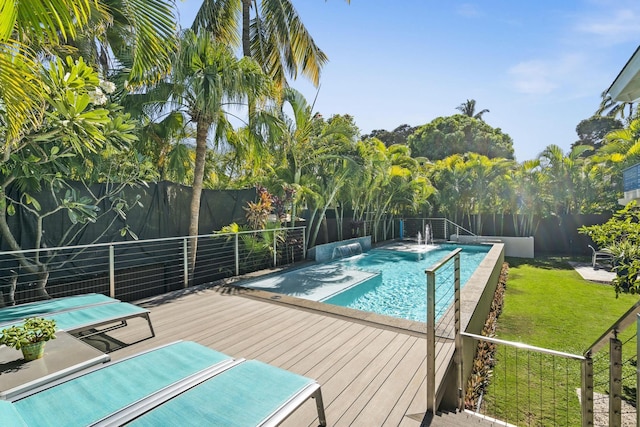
[[519, 247]]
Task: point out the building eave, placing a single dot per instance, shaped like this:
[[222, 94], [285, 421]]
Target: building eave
[[626, 86]]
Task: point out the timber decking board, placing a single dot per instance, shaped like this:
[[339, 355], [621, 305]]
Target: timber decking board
[[370, 376]]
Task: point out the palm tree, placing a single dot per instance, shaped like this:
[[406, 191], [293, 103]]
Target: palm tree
[[468, 108], [206, 79], [271, 33], [294, 150], [312, 156], [610, 108], [452, 177], [620, 151], [485, 173], [562, 175], [30, 29], [528, 186], [163, 143]]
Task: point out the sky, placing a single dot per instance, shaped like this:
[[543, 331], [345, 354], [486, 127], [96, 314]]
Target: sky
[[539, 66]]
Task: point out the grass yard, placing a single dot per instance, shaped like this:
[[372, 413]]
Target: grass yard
[[547, 304]]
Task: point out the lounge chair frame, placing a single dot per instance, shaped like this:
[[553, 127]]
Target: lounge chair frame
[[603, 255], [121, 312]]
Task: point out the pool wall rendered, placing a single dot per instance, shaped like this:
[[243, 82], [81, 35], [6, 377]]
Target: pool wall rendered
[[475, 303]]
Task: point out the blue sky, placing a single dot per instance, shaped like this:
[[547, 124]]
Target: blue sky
[[538, 66]]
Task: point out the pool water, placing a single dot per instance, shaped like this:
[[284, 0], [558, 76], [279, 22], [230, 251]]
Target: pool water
[[400, 287]]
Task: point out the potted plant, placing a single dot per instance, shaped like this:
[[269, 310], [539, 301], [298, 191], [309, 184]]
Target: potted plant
[[30, 336]]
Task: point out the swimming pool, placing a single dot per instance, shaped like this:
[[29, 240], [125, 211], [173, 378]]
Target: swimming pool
[[400, 287], [390, 281]]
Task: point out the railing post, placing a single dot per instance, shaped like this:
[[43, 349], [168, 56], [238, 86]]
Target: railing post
[[304, 244], [275, 248], [615, 382], [237, 255], [431, 341], [112, 272], [446, 229], [458, 337], [185, 262], [586, 391]]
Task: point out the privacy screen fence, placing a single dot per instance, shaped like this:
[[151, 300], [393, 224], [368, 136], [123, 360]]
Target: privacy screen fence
[[159, 210]]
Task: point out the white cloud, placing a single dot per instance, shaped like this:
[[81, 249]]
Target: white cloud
[[613, 26], [532, 77], [468, 10], [541, 77]]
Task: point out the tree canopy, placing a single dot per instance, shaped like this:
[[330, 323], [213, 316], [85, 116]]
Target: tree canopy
[[592, 131], [459, 134], [399, 135]]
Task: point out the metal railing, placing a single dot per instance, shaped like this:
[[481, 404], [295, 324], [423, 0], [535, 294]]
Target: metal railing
[[616, 378], [137, 269], [443, 322], [520, 384], [438, 229], [530, 385]]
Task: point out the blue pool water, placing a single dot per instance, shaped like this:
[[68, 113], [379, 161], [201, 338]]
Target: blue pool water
[[400, 287]]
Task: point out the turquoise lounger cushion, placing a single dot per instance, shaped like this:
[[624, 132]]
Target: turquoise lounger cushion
[[9, 416], [223, 400], [91, 397], [92, 315], [39, 308], [95, 315]]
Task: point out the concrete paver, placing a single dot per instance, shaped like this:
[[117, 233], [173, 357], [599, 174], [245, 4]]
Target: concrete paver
[[598, 274]]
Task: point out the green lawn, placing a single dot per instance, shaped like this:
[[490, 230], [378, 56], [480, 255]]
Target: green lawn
[[547, 304]]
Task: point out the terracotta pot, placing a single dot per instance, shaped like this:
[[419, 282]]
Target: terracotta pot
[[33, 351]]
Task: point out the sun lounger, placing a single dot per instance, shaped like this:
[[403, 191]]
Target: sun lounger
[[81, 314], [56, 305], [604, 255], [182, 383]]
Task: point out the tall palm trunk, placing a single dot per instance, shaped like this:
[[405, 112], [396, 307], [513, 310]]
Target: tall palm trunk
[[246, 19], [202, 129]]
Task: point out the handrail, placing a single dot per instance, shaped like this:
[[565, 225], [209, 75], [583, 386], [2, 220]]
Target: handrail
[[626, 320], [446, 221], [459, 227], [523, 346]]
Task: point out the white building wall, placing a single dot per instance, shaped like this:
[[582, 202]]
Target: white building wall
[[519, 247]]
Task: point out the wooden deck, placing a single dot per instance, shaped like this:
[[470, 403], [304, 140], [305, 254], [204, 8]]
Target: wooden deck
[[370, 376]]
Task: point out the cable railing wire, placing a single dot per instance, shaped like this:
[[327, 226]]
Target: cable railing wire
[[143, 268], [530, 386]]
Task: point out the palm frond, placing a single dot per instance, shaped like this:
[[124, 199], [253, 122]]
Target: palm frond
[[298, 50], [19, 88], [220, 18], [154, 38]]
